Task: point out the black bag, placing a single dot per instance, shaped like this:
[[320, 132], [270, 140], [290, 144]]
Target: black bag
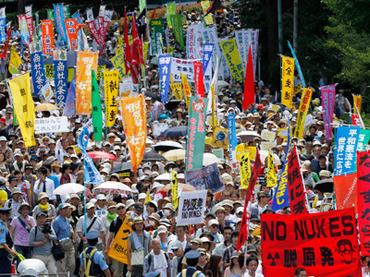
[[58, 251]]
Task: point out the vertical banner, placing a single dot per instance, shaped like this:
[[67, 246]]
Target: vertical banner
[[107, 19], [207, 66], [118, 62], [178, 29], [170, 10], [357, 102], [245, 171], [363, 139], [101, 18], [198, 78], [142, 5], [363, 200], [23, 29], [297, 200], [70, 107], [86, 61], [190, 41], [324, 244], [231, 129], [47, 31], [287, 81], [14, 62], [3, 32], [29, 19], [97, 114], [60, 77], [59, 21], [328, 101], [177, 90], [111, 80], [164, 64], [93, 28], [187, 91], [271, 173], [24, 107], [37, 69], [230, 50], [174, 189], [71, 26], [118, 249], [345, 152], [302, 112], [133, 112], [249, 89], [196, 132], [345, 187], [208, 18], [156, 30]]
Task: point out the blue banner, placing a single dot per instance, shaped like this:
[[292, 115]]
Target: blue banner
[[281, 196], [91, 174], [297, 65], [346, 147], [78, 18], [3, 35], [59, 17], [231, 129], [61, 81], [164, 63], [70, 106], [207, 55], [38, 72]]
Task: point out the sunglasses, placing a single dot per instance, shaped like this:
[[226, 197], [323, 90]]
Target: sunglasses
[[214, 226], [121, 208]]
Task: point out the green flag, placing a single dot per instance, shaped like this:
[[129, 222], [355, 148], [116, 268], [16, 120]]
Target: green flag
[[142, 5], [170, 10], [97, 115], [68, 13], [178, 30], [50, 14], [156, 30]]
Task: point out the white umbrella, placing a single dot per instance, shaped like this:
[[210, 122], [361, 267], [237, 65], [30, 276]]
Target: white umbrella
[[112, 187], [209, 158], [68, 189], [163, 177], [247, 136], [175, 155], [222, 83], [149, 141]]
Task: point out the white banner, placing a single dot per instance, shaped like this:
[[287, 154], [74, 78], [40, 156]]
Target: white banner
[[179, 66], [191, 207], [194, 41], [126, 88], [51, 125]]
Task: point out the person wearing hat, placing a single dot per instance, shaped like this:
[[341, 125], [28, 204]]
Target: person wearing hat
[[41, 237], [6, 150], [157, 260], [101, 207], [15, 202], [178, 252], [192, 258], [44, 206], [6, 243], [234, 268], [93, 223], [24, 186], [137, 247], [92, 260], [263, 199], [62, 228], [228, 252], [118, 267]]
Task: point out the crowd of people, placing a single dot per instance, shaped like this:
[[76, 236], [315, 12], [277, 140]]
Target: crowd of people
[[33, 220]]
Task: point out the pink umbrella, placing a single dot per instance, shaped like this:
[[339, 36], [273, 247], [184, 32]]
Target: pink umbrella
[[101, 155]]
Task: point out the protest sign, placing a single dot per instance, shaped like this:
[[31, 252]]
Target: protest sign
[[231, 129], [126, 88], [363, 139], [208, 177], [118, 249], [174, 189], [47, 32], [205, 6], [363, 200], [268, 135], [345, 187], [60, 77], [59, 16], [179, 67], [328, 101], [287, 81], [198, 78], [96, 109], [156, 30], [164, 64], [270, 176], [191, 207], [245, 171], [325, 244], [51, 125], [267, 145], [118, 62], [71, 27], [37, 69], [111, 94], [302, 112], [220, 138], [232, 56], [47, 92], [345, 153]]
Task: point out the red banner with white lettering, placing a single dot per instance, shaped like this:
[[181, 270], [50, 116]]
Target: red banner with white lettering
[[95, 32], [297, 199], [71, 25], [198, 78], [243, 233], [363, 200], [47, 33], [324, 244]]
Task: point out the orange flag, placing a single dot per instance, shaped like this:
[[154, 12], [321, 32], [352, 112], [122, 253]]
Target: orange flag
[[133, 112]]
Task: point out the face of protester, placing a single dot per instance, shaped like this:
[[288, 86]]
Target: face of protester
[[202, 258], [101, 203], [90, 212], [156, 244], [322, 162], [214, 228], [220, 215], [302, 274], [227, 234], [252, 266], [195, 246], [316, 151], [139, 226], [41, 220], [178, 252], [121, 211]]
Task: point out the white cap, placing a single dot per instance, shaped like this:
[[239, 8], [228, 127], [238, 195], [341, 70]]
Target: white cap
[[101, 197], [213, 222], [142, 195], [240, 209]]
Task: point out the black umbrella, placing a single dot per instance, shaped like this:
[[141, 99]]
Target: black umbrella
[[72, 59], [122, 167], [325, 185], [179, 131], [153, 95], [153, 156], [172, 104]]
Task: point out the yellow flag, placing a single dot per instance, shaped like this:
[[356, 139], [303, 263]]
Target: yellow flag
[[220, 138], [243, 149], [357, 101], [14, 62], [205, 5], [118, 249], [24, 107], [245, 172], [111, 80], [287, 81], [298, 88], [177, 90], [187, 90], [302, 112], [271, 174], [231, 52], [174, 189], [147, 199]]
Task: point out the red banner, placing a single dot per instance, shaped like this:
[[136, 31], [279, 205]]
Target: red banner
[[95, 32], [295, 185], [47, 32], [324, 244], [29, 21], [249, 89], [345, 187], [126, 45], [363, 200], [243, 233], [71, 25], [198, 78]]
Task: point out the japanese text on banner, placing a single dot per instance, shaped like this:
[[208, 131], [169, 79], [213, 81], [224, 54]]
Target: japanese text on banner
[[111, 93], [287, 81]]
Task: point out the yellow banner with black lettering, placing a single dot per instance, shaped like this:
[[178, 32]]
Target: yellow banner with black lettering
[[302, 112], [187, 90], [220, 138], [245, 172], [271, 173], [24, 107], [177, 90], [118, 249], [111, 80], [287, 81], [174, 189], [231, 52]]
